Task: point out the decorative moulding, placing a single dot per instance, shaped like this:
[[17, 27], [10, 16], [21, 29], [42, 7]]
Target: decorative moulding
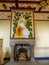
[[29, 5], [41, 16], [5, 15], [22, 25], [7, 0], [7, 5], [44, 5], [25, 41], [30, 0], [38, 5]]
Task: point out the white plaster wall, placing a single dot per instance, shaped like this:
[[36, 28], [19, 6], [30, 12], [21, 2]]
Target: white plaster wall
[[41, 32], [5, 33], [42, 39]]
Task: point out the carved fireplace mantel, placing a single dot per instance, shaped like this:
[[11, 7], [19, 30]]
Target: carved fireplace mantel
[[31, 42], [22, 41], [13, 42]]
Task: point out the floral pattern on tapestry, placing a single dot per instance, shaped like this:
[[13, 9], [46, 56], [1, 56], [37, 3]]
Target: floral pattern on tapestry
[[22, 24]]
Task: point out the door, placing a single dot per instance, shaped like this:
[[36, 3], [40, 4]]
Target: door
[[1, 51]]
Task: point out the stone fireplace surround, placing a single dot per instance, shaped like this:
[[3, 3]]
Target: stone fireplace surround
[[21, 41]]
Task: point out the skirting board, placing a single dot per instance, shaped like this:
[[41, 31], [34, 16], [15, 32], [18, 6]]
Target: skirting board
[[42, 58]]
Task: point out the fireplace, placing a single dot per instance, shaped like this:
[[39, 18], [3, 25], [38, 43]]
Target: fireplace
[[22, 50]]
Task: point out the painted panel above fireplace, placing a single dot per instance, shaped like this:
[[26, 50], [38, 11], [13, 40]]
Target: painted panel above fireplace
[[22, 26]]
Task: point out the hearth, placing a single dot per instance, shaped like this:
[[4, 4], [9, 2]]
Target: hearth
[[22, 52]]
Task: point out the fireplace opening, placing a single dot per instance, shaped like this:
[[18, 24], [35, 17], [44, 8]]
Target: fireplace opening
[[22, 52]]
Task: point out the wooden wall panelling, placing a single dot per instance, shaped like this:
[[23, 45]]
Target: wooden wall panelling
[[41, 16], [5, 15], [1, 52]]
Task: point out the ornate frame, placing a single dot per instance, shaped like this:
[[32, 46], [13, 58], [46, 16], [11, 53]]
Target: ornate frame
[[13, 35], [5, 15]]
